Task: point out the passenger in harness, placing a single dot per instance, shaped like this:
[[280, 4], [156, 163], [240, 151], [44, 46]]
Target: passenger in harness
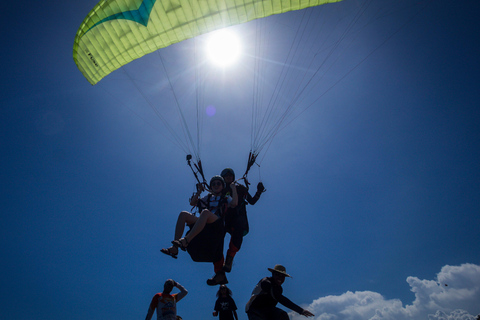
[[204, 240]]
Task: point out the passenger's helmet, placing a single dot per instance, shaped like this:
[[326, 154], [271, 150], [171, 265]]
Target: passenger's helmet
[[215, 178]]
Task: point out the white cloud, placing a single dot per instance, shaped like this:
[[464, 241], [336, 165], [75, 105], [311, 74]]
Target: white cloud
[[454, 295]]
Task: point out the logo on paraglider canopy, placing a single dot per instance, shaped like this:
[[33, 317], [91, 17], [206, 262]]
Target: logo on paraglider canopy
[[90, 55], [141, 15]]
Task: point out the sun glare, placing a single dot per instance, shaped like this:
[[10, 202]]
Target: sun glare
[[223, 48]]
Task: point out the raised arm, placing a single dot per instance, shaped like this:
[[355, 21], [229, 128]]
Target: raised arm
[[183, 292], [194, 198], [260, 189]]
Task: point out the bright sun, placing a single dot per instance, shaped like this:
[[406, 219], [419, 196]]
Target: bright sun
[[223, 48]]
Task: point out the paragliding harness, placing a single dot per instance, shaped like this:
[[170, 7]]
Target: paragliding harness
[[207, 246], [221, 207]]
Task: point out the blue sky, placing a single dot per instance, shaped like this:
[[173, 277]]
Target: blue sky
[[372, 193]]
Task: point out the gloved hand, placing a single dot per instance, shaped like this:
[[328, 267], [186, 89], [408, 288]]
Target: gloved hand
[[260, 187]]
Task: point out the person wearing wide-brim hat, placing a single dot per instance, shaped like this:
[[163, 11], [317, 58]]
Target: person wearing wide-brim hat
[[267, 293]]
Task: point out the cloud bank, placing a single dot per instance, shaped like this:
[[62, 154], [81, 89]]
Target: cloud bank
[[454, 295]]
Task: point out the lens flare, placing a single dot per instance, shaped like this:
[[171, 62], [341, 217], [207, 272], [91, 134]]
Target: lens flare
[[210, 110]]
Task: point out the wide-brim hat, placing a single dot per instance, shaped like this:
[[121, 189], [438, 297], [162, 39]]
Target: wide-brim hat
[[280, 269]]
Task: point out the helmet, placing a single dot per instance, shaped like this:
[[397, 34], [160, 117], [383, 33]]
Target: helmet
[[219, 178], [227, 171]]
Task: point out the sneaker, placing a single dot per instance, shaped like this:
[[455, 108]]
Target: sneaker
[[218, 278], [227, 267]]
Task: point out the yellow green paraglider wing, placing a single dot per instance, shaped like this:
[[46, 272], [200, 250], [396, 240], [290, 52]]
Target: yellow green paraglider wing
[[116, 32]]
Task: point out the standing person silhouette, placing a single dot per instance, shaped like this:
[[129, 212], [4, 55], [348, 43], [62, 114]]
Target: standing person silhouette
[[267, 293], [225, 305], [166, 303]]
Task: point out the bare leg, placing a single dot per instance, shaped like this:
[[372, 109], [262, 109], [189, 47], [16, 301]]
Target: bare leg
[[205, 217], [184, 218]]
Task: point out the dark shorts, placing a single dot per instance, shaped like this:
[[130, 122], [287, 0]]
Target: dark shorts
[[207, 246]]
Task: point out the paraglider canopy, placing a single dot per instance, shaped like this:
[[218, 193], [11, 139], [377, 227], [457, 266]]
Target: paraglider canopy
[[117, 32]]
